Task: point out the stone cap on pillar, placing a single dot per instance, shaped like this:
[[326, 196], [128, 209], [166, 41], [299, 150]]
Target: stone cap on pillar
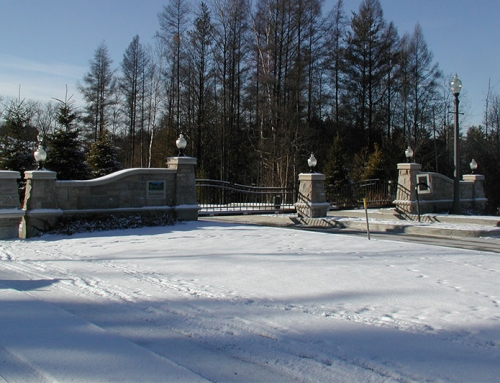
[[312, 177], [174, 162], [9, 175], [473, 177], [40, 175], [409, 166]]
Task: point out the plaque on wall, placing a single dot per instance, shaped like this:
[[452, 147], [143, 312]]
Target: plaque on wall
[[156, 189]]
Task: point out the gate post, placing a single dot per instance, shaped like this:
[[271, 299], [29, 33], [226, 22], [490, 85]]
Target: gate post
[[472, 189], [40, 203], [311, 201], [406, 200], [186, 206], [10, 212]]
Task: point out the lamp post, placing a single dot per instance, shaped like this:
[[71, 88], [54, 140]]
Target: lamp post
[[312, 162], [409, 153], [456, 87], [40, 154], [181, 144]]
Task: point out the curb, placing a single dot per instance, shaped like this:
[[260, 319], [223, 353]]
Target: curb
[[462, 228]]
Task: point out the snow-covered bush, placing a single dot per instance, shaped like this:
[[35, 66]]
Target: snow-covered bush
[[71, 226]]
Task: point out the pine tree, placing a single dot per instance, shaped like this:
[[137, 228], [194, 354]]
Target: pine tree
[[103, 156], [18, 137], [66, 156], [374, 168], [336, 165]]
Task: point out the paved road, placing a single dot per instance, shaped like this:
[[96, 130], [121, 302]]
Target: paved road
[[481, 244], [490, 244]]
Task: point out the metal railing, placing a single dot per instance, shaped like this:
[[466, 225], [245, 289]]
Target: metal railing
[[222, 197], [378, 193]]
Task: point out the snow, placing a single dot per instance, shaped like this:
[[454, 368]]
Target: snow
[[213, 301]]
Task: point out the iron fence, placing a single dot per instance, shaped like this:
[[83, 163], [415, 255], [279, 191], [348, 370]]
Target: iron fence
[[222, 197], [378, 193]]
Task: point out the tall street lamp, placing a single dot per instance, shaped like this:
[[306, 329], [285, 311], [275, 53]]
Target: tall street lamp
[[456, 87]]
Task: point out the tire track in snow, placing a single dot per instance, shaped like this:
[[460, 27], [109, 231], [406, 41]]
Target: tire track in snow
[[15, 369], [271, 347]]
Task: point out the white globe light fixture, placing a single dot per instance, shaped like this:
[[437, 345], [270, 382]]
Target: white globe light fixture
[[473, 165], [456, 85], [409, 153], [40, 154], [312, 162], [181, 144]]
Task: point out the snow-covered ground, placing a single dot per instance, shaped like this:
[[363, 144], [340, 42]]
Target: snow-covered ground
[[209, 301]]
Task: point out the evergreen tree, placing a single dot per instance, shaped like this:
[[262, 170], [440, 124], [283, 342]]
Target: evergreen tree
[[374, 168], [18, 137], [66, 114], [367, 62], [336, 168], [103, 156], [66, 156]]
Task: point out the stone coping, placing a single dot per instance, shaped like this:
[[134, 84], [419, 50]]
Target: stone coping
[[113, 177], [9, 174]]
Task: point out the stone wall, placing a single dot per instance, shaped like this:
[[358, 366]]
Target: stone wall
[[123, 189], [170, 190], [10, 206], [438, 196]]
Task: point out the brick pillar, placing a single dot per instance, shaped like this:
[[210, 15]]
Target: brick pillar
[[186, 206], [406, 200], [10, 207], [40, 203], [311, 202]]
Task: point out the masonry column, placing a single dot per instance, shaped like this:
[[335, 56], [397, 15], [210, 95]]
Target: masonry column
[[40, 203], [406, 200], [186, 206], [477, 200], [311, 201], [10, 207]]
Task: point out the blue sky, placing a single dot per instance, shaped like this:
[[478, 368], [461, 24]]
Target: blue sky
[[47, 44]]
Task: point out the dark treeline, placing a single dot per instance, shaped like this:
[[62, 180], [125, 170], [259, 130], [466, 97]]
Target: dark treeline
[[256, 87]]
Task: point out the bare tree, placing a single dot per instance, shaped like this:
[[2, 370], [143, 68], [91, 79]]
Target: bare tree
[[134, 67], [99, 88], [201, 72], [154, 97], [173, 21]]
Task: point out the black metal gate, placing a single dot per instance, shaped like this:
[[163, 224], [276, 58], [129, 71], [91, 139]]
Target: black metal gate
[[378, 193], [222, 197]]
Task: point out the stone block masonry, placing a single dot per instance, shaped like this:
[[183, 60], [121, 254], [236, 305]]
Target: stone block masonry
[[437, 197], [10, 206], [144, 191], [311, 201]]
